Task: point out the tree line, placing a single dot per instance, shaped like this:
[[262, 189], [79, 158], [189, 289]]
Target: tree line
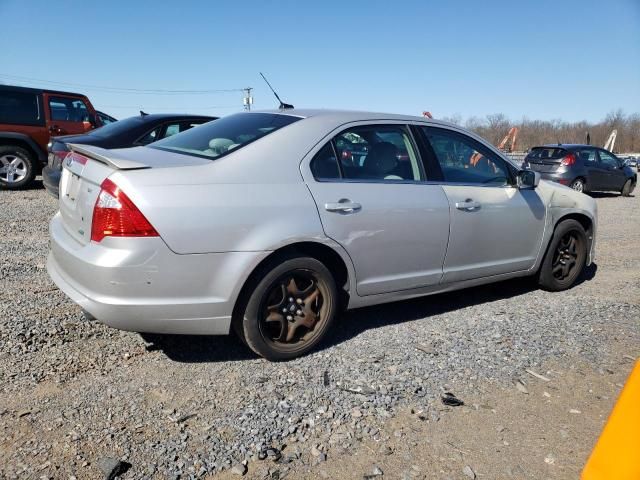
[[539, 132]]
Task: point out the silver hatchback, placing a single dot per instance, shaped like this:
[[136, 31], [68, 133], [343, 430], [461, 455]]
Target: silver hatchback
[[271, 223]]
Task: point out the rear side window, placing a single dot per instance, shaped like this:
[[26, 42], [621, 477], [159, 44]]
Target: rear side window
[[216, 139], [369, 153], [546, 153], [20, 108], [587, 155]]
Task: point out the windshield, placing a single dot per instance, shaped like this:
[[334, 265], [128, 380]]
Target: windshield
[[230, 133], [115, 128]]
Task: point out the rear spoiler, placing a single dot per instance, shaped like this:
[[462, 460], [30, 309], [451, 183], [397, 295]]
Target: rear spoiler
[[105, 156]]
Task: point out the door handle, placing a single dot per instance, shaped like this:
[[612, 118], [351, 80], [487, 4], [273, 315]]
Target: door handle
[[343, 206], [468, 205]]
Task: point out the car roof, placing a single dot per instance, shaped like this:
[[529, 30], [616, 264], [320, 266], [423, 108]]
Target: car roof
[[14, 88], [344, 116], [566, 145]]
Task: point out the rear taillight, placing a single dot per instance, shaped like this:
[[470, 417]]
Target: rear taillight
[[569, 159], [59, 152], [115, 215]]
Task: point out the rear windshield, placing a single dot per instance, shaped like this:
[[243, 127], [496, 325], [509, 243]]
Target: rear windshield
[[116, 128], [227, 134], [546, 153]]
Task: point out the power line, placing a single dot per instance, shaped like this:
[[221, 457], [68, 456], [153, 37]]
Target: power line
[[123, 89]]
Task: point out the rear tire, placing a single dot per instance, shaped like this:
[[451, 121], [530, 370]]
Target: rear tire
[[627, 188], [17, 168], [565, 257], [578, 185], [279, 319]]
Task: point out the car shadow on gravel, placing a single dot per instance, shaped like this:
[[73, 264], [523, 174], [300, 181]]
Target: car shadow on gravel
[[199, 348], [356, 321]]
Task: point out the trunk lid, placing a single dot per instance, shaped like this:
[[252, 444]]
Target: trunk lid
[[86, 167]]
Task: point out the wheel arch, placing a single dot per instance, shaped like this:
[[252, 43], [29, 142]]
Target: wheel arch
[[24, 141], [339, 267]]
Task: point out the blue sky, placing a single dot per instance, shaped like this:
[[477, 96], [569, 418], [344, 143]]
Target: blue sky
[[568, 59]]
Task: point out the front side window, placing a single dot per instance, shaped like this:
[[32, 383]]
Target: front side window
[[375, 152], [464, 160], [67, 109], [608, 160], [216, 139]]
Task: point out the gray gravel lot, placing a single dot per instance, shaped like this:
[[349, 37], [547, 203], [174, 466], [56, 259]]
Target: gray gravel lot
[[74, 393]]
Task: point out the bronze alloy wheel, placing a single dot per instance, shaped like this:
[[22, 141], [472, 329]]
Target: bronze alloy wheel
[[294, 310]]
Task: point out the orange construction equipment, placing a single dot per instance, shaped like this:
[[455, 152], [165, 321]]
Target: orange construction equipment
[[513, 134], [616, 456]]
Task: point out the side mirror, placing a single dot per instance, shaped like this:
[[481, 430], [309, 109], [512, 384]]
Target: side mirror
[[528, 179]]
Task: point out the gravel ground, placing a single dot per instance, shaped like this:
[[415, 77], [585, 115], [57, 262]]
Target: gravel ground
[[78, 398]]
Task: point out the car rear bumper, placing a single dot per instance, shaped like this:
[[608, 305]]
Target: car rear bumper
[[138, 284], [563, 178], [51, 180]]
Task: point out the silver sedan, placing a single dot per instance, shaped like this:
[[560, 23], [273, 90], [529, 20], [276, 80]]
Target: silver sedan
[[271, 223]]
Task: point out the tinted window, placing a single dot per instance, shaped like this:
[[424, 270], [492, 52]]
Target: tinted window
[[546, 153], [464, 160], [377, 152], [19, 108], [324, 165], [68, 109], [218, 138], [116, 128], [608, 159]]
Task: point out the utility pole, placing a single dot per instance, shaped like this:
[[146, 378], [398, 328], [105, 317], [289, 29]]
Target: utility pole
[[248, 99]]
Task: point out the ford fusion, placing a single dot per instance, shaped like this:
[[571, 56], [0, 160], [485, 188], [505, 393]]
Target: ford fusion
[[269, 224]]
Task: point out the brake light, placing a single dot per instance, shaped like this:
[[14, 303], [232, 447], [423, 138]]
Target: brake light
[[568, 159], [115, 215]]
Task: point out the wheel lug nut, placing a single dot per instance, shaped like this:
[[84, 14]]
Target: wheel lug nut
[[284, 310], [289, 317], [299, 312], [291, 299], [299, 301]]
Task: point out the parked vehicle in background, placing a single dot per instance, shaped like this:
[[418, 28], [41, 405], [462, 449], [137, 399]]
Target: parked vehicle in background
[[584, 168], [104, 118], [256, 223], [129, 132], [28, 118]]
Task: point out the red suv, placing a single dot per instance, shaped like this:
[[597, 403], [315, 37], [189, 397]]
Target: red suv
[[28, 118]]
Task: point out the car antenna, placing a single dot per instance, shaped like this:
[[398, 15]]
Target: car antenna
[[143, 114], [283, 106]]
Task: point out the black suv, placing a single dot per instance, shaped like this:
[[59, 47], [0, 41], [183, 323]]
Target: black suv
[[584, 168], [130, 132]]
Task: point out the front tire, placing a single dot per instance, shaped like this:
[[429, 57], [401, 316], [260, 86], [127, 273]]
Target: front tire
[[289, 308], [627, 188], [17, 168], [565, 258]]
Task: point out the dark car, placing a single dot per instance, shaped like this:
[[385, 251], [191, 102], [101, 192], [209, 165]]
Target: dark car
[[130, 132], [29, 117], [584, 168]]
